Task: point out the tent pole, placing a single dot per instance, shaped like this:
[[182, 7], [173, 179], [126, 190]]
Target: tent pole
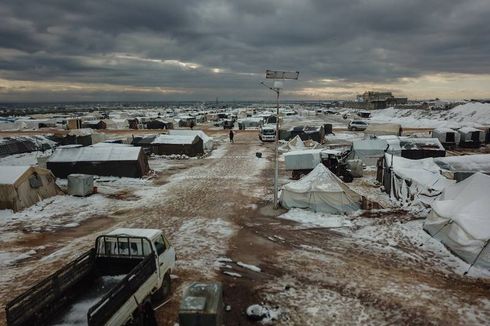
[[477, 256]]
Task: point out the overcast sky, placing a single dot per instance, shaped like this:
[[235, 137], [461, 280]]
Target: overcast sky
[[61, 50]]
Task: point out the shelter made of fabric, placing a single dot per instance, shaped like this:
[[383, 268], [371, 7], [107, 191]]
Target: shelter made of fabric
[[320, 191], [23, 186], [460, 219]]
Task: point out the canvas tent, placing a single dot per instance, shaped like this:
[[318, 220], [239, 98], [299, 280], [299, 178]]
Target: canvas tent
[[23, 186], [177, 144], [320, 191], [207, 141], [464, 166], [413, 180], [296, 144], [105, 159], [372, 149], [448, 137], [471, 137], [460, 219]]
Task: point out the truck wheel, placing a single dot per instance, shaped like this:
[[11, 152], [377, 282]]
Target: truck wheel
[[164, 291]]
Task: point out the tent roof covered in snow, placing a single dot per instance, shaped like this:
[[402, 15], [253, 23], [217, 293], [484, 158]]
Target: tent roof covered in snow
[[175, 139], [320, 191], [104, 152], [469, 163], [461, 221], [23, 186], [370, 150], [105, 159], [10, 174], [208, 141], [296, 144]]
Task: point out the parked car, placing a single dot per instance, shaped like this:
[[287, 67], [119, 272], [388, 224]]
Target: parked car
[[357, 125], [126, 273]]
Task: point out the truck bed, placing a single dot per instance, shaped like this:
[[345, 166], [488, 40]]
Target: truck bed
[[76, 313], [89, 289]]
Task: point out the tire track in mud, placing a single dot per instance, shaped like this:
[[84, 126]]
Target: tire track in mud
[[194, 207], [307, 267]]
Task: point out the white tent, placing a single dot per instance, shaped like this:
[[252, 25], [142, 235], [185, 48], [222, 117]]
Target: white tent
[[23, 186], [413, 180], [296, 144], [460, 219], [321, 191], [207, 141], [370, 150]]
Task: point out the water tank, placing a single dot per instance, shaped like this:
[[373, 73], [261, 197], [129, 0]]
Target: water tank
[[202, 305], [80, 185]]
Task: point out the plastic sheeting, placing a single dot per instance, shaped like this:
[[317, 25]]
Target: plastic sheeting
[[414, 180], [320, 191], [460, 219]]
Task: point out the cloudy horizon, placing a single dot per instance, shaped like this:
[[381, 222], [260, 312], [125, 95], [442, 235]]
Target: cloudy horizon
[[153, 50]]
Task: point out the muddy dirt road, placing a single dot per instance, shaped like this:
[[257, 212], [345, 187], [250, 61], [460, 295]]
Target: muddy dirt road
[[220, 207]]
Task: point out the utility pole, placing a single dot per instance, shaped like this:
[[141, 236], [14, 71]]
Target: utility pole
[[277, 76]]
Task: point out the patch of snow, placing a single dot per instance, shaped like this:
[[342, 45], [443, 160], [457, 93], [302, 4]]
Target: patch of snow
[[250, 267], [232, 274], [316, 219]]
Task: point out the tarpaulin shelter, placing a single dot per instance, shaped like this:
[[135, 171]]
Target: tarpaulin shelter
[[471, 137], [448, 137], [208, 142], [372, 149], [413, 180], [460, 219], [104, 159], [320, 191], [178, 144], [23, 186]]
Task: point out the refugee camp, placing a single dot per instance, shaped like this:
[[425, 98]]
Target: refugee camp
[[211, 163]]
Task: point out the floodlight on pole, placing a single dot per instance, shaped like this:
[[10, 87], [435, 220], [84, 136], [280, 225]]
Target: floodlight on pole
[[278, 77]]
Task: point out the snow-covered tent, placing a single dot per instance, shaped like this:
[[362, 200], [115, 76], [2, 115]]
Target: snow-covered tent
[[448, 137], [23, 186], [370, 150], [465, 163], [320, 191], [190, 145], [105, 159], [296, 144], [413, 180], [460, 219], [471, 137], [207, 141]]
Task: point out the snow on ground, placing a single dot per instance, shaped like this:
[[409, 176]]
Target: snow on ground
[[304, 304], [249, 267], [470, 114], [202, 241], [310, 218], [410, 234]]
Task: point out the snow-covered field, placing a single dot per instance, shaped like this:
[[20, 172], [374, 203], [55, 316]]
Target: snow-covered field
[[470, 114]]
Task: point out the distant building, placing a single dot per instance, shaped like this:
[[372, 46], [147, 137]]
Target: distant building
[[380, 100]]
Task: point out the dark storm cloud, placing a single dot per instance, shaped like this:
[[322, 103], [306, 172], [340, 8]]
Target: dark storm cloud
[[140, 43]]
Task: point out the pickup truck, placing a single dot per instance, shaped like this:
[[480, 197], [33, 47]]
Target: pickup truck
[[118, 280]]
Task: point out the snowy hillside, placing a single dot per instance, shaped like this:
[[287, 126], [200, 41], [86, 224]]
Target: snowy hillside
[[470, 114]]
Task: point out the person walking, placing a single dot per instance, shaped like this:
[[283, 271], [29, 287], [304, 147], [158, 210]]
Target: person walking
[[231, 136]]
